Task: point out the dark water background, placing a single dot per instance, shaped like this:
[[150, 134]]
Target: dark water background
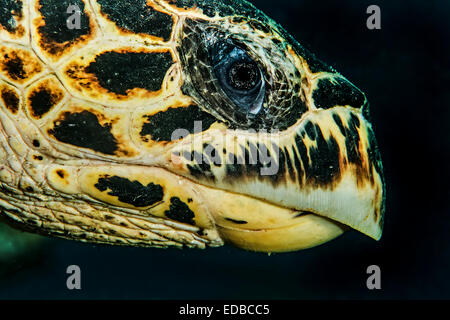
[[404, 69]]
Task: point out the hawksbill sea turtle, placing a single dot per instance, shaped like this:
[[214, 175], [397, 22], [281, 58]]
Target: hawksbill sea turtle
[[186, 123]]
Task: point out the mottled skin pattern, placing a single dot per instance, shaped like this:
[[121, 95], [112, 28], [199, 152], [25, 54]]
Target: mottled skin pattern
[[87, 117]]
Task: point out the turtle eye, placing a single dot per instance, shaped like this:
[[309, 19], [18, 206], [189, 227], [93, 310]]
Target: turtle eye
[[239, 77]]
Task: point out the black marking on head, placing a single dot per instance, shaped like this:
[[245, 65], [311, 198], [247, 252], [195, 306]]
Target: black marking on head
[[202, 162], [36, 143], [211, 155], [325, 160], [131, 192], [339, 123], [61, 174], [10, 12], [238, 20], [374, 154], [14, 67], [180, 211], [352, 138], [233, 168], [254, 159], [303, 214], [354, 121], [42, 101], [136, 16], [310, 130], [240, 222], [119, 72], [289, 163], [337, 92], [84, 130], [55, 16], [251, 159], [281, 164], [198, 173], [321, 164], [302, 150], [298, 164], [200, 166], [11, 100], [251, 153], [163, 125]]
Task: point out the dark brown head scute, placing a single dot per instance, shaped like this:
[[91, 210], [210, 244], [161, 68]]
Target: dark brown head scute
[[316, 165], [162, 126], [131, 192], [325, 160], [55, 33], [10, 99], [14, 67], [180, 211], [10, 14], [41, 101], [119, 72], [84, 130], [137, 16], [337, 91], [43, 98], [18, 65]]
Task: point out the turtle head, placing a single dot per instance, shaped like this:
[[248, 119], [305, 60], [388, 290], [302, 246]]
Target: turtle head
[[293, 134]]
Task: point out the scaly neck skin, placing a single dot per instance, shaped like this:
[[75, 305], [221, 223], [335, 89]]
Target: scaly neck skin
[[29, 198], [23, 186]]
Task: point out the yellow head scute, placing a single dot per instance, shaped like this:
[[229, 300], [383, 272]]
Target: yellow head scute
[[49, 17]]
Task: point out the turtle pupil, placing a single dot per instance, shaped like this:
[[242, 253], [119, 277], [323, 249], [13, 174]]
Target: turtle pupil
[[243, 76]]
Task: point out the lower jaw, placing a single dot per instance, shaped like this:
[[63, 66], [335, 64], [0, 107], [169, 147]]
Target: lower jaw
[[309, 231]]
